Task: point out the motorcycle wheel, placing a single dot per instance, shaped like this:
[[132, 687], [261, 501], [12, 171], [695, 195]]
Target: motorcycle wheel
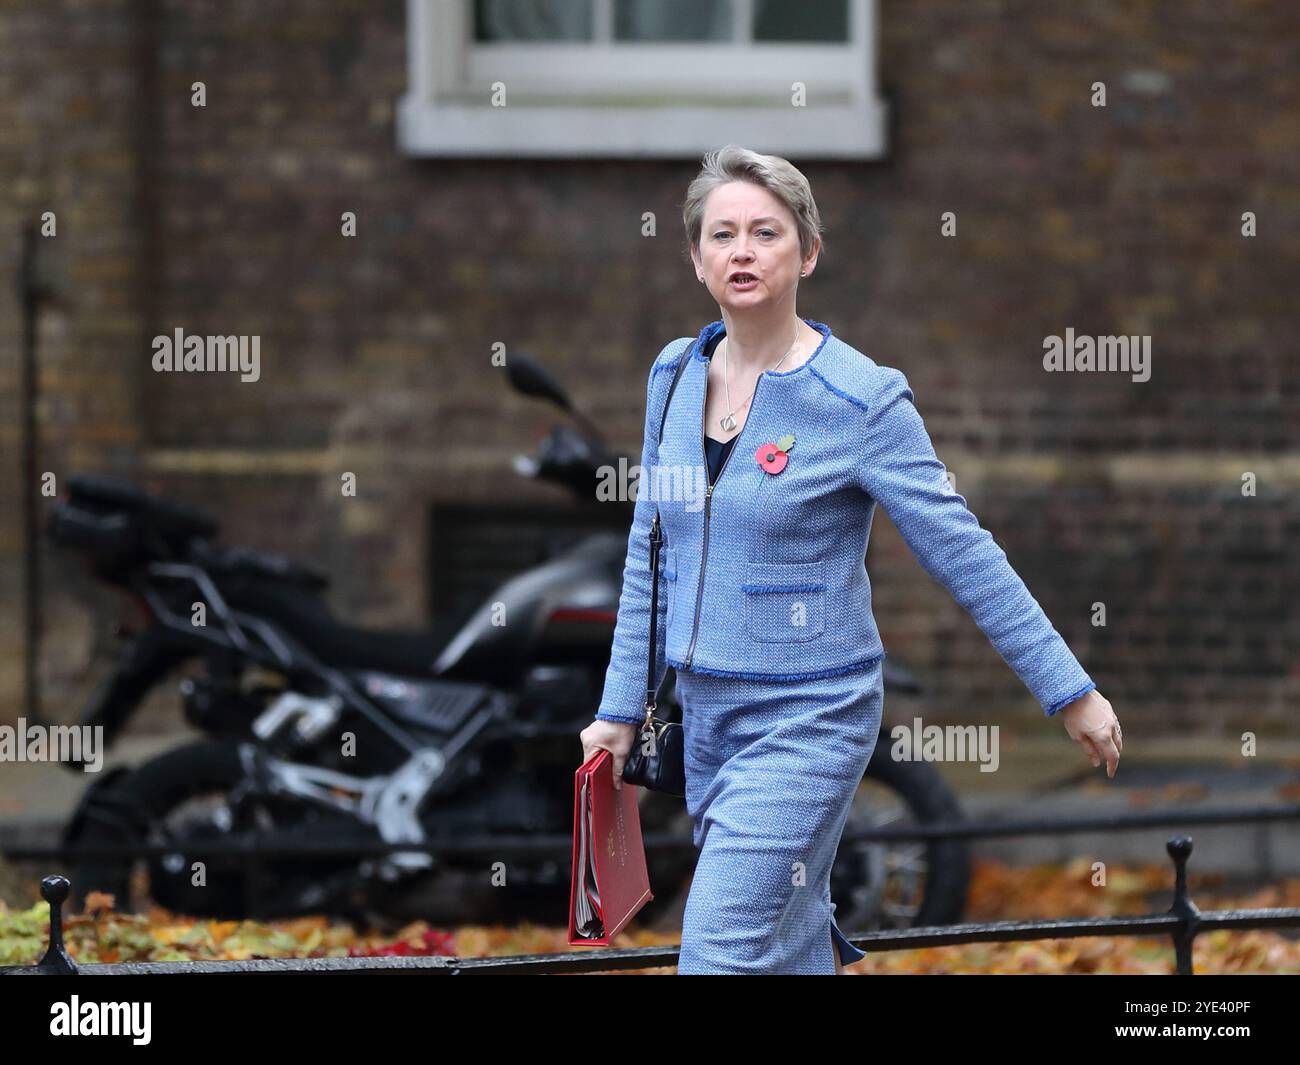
[[879, 885], [184, 796]]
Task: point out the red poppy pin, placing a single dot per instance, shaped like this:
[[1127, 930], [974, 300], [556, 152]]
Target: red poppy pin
[[773, 457]]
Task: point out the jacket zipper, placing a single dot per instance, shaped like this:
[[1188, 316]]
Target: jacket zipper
[[708, 498]]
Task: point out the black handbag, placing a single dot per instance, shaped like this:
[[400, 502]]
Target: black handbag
[[657, 760]]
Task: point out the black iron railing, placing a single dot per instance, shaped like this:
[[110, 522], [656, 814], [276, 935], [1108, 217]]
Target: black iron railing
[[1183, 921]]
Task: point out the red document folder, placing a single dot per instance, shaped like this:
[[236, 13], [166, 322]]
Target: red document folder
[[609, 882]]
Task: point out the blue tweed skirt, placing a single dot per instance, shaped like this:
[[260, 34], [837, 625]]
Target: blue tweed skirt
[[772, 767]]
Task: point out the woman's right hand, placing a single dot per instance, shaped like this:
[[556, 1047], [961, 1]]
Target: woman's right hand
[[1091, 722], [616, 737]]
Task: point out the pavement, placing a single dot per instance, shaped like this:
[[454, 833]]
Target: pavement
[[1048, 777], [1038, 776]]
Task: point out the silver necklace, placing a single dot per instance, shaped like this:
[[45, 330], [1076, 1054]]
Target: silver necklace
[[728, 421]]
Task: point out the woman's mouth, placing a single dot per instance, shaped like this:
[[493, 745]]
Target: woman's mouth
[[742, 281]]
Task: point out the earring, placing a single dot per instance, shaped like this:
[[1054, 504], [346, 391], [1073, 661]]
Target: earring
[[803, 273]]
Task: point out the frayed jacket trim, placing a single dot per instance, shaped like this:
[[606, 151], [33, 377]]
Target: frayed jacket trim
[[1070, 698], [620, 718], [837, 671], [839, 391]]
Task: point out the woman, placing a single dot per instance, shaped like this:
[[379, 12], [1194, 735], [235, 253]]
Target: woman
[[767, 614]]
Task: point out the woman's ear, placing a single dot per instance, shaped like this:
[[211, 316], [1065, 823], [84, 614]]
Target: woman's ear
[[810, 263]]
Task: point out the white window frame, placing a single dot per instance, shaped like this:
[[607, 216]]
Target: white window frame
[[624, 100]]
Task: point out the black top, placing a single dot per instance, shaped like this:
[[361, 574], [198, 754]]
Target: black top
[[716, 451]]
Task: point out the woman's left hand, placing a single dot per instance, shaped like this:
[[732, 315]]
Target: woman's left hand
[[1092, 724]]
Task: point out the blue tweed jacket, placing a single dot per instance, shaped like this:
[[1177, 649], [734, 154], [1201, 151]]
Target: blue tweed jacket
[[764, 575]]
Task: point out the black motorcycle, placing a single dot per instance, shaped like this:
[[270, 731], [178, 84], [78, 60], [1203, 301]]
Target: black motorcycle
[[327, 740]]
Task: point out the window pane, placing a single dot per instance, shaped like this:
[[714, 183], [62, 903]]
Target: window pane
[[672, 20], [801, 20], [532, 20]]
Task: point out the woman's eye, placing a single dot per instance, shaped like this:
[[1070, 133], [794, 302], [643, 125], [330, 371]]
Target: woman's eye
[[719, 236]]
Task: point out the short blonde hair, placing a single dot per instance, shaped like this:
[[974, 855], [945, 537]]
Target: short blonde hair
[[779, 176]]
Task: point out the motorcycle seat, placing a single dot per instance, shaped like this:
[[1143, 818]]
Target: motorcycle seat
[[307, 618]]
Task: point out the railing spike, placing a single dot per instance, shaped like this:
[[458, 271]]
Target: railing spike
[[1180, 849], [57, 961]]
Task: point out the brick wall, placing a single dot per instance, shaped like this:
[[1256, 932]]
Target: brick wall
[[375, 349]]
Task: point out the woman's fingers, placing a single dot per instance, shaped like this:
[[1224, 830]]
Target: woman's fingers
[[1104, 743], [617, 742]]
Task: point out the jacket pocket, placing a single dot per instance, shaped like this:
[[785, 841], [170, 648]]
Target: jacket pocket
[[670, 579], [785, 602]]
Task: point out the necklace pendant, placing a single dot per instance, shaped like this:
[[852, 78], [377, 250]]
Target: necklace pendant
[[728, 423]]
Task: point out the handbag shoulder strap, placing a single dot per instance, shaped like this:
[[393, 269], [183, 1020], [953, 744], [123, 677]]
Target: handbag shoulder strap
[[655, 541], [677, 373]]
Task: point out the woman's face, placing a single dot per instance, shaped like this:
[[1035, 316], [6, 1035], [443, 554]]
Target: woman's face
[[748, 230]]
